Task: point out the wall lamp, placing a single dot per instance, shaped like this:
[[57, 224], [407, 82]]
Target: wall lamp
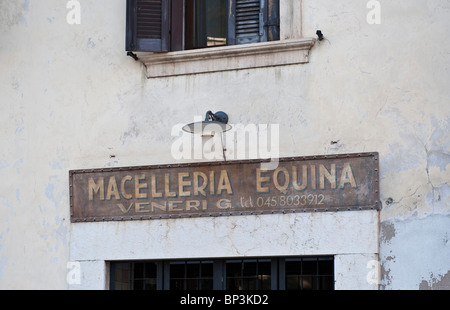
[[213, 123]]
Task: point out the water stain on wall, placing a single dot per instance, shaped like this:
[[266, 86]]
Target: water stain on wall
[[13, 13]]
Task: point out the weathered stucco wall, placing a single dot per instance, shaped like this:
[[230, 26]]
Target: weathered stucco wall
[[71, 99], [386, 90]]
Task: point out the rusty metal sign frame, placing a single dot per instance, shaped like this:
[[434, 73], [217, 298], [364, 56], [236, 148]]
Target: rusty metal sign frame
[[373, 170]]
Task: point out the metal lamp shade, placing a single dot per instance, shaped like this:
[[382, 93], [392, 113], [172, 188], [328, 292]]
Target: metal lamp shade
[[206, 128]]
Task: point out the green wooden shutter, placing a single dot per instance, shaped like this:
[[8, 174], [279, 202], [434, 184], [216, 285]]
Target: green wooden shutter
[[148, 25], [253, 21]]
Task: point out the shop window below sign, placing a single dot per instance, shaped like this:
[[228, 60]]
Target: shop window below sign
[[288, 273]]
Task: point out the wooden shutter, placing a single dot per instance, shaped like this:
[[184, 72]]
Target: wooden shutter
[[253, 21], [148, 25]]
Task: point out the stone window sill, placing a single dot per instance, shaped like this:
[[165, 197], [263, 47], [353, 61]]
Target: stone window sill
[[227, 58]]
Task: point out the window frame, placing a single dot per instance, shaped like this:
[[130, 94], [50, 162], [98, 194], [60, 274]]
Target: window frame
[[220, 277], [291, 49], [172, 22]]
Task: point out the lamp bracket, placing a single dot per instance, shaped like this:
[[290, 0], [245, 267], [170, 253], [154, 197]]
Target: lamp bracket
[[220, 116]]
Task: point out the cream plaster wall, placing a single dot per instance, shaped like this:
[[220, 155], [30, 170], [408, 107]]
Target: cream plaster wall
[[343, 234], [71, 99]]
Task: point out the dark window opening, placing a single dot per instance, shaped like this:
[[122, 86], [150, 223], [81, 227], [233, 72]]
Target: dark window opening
[[308, 274], [174, 25], [191, 275], [248, 274], [205, 23], [286, 273]]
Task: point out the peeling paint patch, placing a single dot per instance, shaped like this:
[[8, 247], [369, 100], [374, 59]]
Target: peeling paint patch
[[411, 155], [50, 193], [436, 283], [54, 235], [4, 164], [438, 159], [439, 197], [387, 232], [90, 43], [56, 165], [20, 126], [415, 250]]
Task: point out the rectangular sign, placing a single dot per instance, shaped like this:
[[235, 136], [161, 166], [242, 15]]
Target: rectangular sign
[[299, 184]]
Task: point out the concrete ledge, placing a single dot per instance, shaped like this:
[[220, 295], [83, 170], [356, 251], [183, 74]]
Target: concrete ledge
[[236, 57]]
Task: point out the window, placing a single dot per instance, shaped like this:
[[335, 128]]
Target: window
[[174, 25], [136, 276], [191, 275], [250, 34], [145, 276], [206, 23], [308, 273], [289, 273], [248, 274]]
